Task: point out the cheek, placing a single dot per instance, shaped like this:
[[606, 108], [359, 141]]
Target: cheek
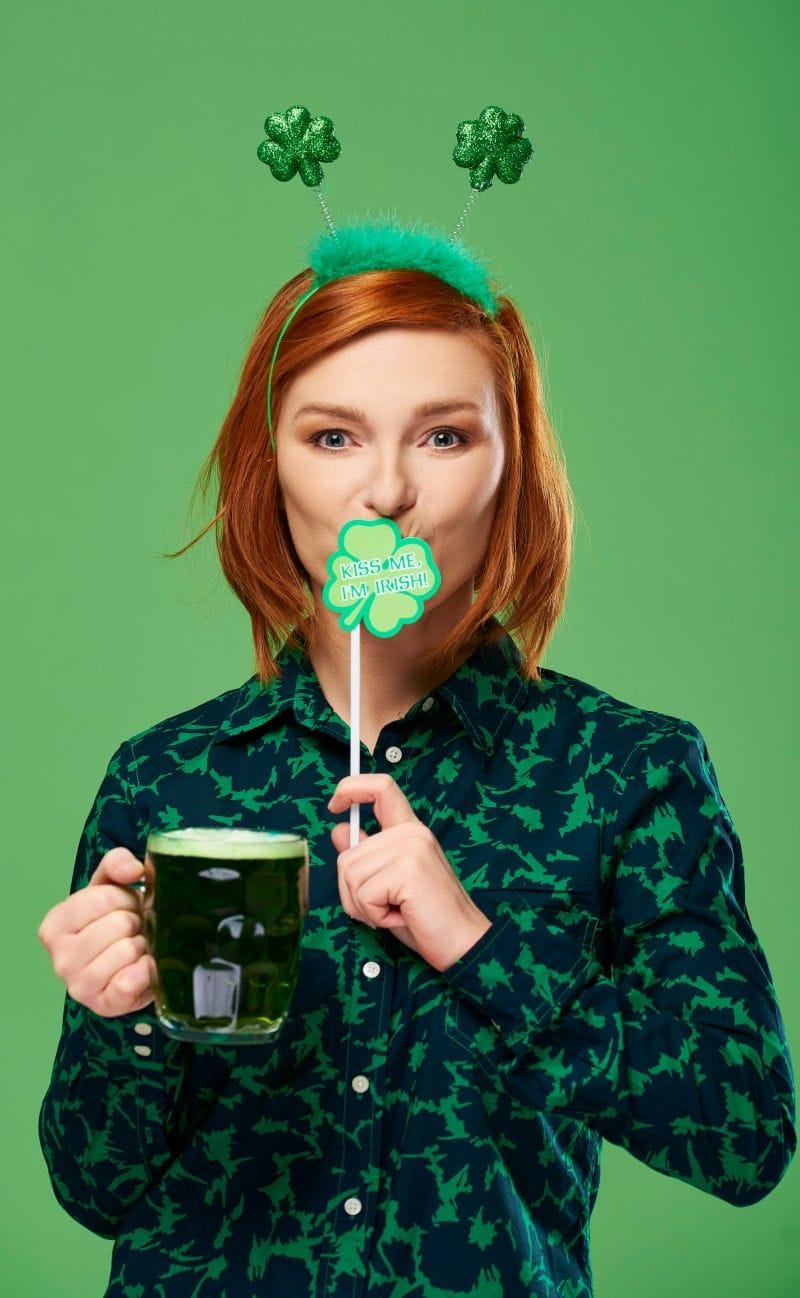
[[305, 522], [472, 512], [294, 520], [482, 495], [301, 501]]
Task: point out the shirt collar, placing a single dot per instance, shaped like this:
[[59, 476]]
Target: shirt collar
[[484, 692], [258, 704]]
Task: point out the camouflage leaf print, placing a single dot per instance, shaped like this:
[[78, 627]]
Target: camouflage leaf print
[[621, 993]]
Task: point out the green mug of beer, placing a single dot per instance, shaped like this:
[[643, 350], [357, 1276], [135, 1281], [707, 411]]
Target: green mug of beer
[[223, 911]]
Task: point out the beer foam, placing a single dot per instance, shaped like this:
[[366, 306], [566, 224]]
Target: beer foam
[[226, 844]]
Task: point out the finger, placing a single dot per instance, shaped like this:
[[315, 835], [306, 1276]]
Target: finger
[[97, 936], [401, 848], [406, 840], [129, 990], [379, 895], [340, 835], [345, 895], [390, 803], [75, 912], [349, 901], [92, 980], [118, 866], [371, 882]]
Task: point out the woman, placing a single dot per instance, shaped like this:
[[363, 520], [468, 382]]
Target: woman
[[541, 939]]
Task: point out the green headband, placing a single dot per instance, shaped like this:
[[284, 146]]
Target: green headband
[[491, 146]]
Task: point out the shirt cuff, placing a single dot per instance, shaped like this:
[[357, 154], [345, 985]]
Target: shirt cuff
[[131, 1042], [524, 968]]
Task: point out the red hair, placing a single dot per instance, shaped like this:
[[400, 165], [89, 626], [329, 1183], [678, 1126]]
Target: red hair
[[523, 578]]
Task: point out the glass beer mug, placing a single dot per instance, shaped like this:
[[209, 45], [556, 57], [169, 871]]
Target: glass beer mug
[[223, 912]]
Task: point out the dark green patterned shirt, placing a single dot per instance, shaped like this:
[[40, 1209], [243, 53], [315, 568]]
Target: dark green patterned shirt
[[414, 1134]]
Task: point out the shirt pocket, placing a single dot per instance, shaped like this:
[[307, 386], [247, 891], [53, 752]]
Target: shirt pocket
[[547, 947]]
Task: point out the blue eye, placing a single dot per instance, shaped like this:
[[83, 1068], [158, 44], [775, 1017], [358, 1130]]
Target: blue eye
[[439, 433], [336, 445]]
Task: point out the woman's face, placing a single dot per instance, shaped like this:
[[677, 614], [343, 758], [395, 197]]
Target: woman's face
[[401, 424]]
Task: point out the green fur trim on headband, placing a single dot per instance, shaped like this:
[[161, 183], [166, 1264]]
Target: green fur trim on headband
[[386, 245]]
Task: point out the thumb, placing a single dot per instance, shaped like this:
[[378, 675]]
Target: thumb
[[118, 866]]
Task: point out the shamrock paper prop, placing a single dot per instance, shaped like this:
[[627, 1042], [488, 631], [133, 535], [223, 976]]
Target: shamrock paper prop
[[492, 146], [380, 578], [298, 142]]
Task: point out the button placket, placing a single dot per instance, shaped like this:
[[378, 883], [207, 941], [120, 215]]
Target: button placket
[[362, 1112]]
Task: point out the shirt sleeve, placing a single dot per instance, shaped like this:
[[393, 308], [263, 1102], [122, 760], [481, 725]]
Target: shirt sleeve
[[107, 1122], [659, 1028]]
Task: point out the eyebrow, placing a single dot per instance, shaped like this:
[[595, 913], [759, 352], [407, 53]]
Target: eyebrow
[[358, 417]]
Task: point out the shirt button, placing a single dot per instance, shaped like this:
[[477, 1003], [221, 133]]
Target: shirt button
[[371, 969], [352, 1207], [360, 1084], [427, 704], [393, 754], [142, 1050], [143, 1029]]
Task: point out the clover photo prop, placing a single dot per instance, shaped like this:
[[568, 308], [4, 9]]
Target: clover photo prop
[[380, 579]]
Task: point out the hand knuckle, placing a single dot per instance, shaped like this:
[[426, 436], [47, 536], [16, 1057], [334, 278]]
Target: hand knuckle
[[118, 988], [130, 950], [61, 964], [128, 922], [78, 989], [125, 982]]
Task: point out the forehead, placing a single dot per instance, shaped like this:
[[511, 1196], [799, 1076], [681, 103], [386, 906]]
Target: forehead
[[402, 363]]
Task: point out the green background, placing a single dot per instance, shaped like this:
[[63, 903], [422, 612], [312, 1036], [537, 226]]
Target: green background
[[653, 246]]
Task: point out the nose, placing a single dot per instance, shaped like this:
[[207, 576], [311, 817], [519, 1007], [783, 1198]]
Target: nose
[[389, 488]]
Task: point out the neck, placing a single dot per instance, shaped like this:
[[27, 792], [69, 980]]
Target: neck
[[393, 676]]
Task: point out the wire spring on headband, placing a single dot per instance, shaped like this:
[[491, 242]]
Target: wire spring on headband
[[465, 211], [326, 212]]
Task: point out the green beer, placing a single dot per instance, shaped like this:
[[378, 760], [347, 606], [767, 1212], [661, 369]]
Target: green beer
[[223, 909]]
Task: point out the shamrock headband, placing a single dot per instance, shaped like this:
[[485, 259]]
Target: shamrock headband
[[491, 146]]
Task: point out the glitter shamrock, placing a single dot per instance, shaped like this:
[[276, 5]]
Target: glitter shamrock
[[298, 142], [379, 577], [492, 146]]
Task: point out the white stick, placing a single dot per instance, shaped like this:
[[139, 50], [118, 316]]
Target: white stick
[[355, 725]]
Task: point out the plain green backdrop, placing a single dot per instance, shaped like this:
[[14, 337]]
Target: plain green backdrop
[[652, 244]]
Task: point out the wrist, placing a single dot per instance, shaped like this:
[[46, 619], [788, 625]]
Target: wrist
[[462, 942]]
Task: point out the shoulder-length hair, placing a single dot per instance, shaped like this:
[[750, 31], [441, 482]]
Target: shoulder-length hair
[[521, 586]]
